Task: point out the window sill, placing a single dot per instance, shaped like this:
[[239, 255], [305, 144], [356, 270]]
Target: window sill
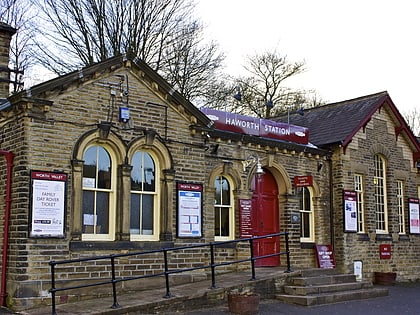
[[118, 245], [305, 245], [363, 237], [403, 237], [383, 237]]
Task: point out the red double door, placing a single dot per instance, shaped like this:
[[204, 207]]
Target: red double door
[[265, 218]]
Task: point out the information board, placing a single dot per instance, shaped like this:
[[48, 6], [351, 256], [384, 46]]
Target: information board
[[48, 202], [189, 209], [413, 204], [350, 211]]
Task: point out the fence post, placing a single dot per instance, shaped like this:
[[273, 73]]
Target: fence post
[[114, 284], [165, 256], [286, 236], [52, 290], [251, 244], [213, 277]]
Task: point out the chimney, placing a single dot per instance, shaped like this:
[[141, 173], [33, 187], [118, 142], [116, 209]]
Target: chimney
[[6, 33]]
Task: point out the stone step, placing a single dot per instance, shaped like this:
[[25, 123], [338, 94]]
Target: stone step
[[322, 280], [333, 297], [318, 289], [314, 272]]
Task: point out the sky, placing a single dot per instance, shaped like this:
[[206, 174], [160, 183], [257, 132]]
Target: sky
[[350, 48]]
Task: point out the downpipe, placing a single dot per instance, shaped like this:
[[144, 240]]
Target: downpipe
[[8, 198]]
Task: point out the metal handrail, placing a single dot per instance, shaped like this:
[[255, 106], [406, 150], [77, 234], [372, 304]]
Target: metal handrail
[[114, 280]]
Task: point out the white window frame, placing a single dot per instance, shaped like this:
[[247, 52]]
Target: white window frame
[[400, 207], [360, 205], [156, 205], [380, 195], [218, 204], [307, 210], [110, 236]]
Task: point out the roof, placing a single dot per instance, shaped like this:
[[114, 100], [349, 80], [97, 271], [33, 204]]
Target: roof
[[337, 123]]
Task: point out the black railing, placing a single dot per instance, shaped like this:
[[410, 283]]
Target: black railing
[[212, 266]]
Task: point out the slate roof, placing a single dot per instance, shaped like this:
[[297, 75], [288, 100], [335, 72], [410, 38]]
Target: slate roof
[[337, 123]]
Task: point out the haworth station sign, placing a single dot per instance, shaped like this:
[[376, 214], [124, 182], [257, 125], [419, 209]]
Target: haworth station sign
[[257, 126]]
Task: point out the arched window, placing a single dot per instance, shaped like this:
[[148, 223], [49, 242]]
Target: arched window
[[144, 214], [223, 210], [307, 231], [379, 181], [98, 194]]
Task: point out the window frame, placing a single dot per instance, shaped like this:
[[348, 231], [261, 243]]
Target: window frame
[[360, 202], [380, 195], [112, 204], [229, 206], [307, 210], [400, 207], [156, 200]]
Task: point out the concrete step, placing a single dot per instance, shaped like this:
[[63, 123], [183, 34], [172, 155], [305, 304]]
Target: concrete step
[[318, 289], [333, 297]]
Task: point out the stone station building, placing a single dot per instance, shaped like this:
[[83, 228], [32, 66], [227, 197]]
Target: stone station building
[[103, 160]]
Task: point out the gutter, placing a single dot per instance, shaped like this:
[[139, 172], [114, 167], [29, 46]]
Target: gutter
[[9, 160]]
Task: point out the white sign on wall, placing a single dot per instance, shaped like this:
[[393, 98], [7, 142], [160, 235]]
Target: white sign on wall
[[413, 205], [48, 204]]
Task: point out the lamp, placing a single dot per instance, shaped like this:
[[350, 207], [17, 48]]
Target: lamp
[[252, 159], [259, 170]]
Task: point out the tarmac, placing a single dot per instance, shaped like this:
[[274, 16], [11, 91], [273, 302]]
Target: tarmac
[[198, 298]]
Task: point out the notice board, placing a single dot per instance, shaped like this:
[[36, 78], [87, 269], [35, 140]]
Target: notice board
[[48, 204], [189, 216]]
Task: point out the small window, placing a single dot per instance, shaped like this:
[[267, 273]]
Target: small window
[[379, 181], [400, 205], [358, 187], [306, 215], [223, 210], [143, 202]]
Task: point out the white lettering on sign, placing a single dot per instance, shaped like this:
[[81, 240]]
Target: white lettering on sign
[[242, 123], [277, 130]]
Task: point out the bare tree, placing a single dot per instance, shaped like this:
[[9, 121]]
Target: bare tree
[[412, 118], [263, 92], [20, 15], [163, 33], [190, 66]]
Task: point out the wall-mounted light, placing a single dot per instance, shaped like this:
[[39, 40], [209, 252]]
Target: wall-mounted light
[[259, 170], [250, 160]]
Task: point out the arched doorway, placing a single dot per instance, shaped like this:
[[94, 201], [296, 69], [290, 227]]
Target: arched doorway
[[265, 217]]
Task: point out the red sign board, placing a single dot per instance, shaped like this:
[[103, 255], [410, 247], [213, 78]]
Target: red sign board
[[303, 181], [257, 126], [245, 223], [325, 256], [385, 251]]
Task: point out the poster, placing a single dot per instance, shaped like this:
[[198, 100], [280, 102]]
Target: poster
[[189, 209], [350, 211], [245, 222], [413, 205], [48, 193], [325, 256]]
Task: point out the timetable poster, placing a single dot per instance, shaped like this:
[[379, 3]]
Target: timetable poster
[[190, 198]]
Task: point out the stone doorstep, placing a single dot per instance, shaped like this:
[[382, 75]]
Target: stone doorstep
[[307, 290], [322, 280], [333, 297]]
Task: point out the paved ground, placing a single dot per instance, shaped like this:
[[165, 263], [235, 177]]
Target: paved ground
[[403, 299]]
